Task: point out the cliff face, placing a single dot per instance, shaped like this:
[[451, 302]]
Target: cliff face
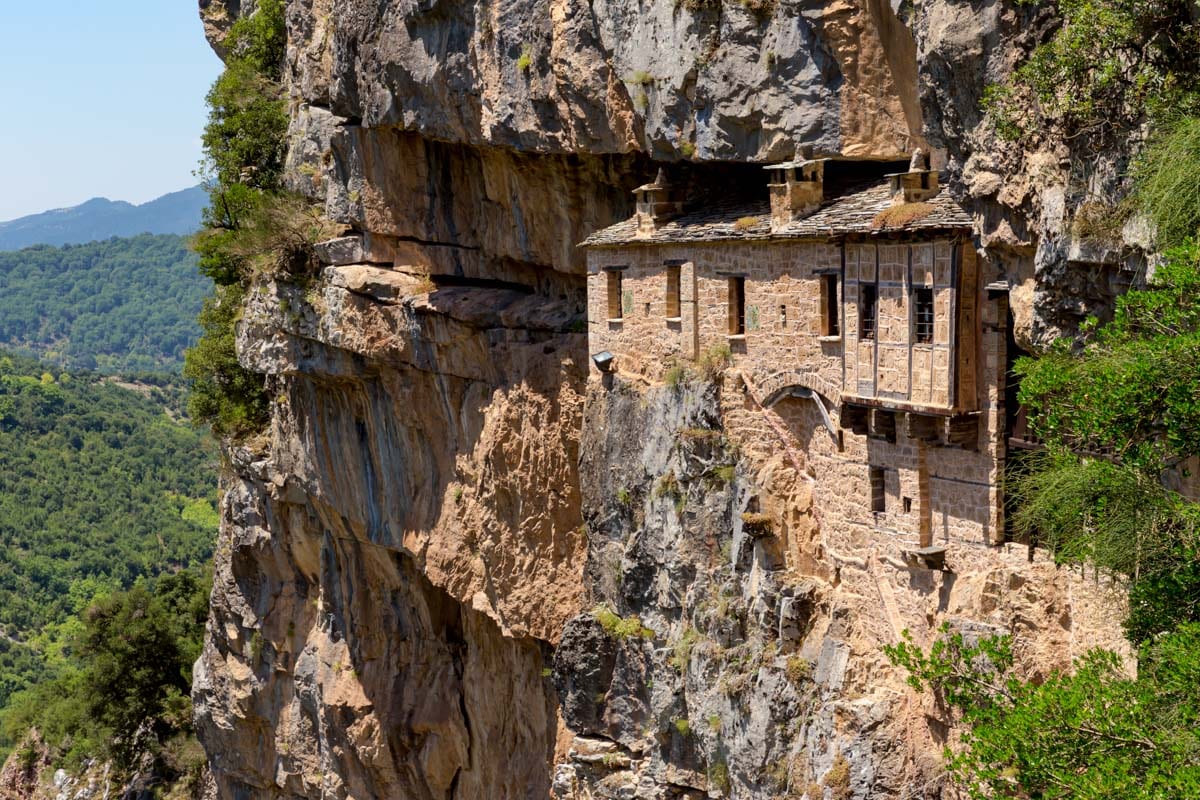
[[410, 559]]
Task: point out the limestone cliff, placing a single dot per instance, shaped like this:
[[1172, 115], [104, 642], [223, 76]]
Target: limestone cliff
[[411, 557]]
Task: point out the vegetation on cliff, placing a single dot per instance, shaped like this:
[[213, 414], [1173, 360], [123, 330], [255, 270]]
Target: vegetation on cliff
[[118, 306], [253, 227], [244, 148], [1092, 734], [1120, 413], [1107, 65]]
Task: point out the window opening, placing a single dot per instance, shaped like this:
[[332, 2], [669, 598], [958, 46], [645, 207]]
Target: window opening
[[737, 306], [614, 294], [923, 315], [673, 290], [867, 308], [878, 491], [830, 324]]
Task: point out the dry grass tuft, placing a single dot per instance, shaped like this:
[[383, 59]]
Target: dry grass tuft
[[745, 223], [837, 779], [901, 215], [424, 284], [1101, 223], [757, 524], [714, 360]]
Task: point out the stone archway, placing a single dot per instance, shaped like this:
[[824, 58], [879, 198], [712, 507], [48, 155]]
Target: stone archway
[[779, 385], [805, 386]]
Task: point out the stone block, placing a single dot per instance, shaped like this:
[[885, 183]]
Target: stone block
[[340, 252]]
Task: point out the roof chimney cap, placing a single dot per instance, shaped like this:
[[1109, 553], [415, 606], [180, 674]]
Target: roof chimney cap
[[660, 182], [918, 184]]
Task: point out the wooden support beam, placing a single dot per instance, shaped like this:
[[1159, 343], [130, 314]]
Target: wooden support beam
[[921, 426], [881, 424], [854, 418]]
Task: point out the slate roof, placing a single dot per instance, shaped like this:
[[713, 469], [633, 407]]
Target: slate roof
[[850, 213]]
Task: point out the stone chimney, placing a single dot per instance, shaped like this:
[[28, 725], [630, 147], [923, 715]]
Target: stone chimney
[[797, 189], [656, 203], [918, 184]]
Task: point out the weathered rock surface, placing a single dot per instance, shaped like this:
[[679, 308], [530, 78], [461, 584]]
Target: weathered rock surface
[[29, 773], [753, 673], [410, 558], [398, 558], [705, 79]]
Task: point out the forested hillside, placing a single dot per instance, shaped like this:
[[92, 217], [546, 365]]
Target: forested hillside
[[99, 488], [117, 306]]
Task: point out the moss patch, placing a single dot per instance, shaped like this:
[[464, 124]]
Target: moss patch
[[901, 215]]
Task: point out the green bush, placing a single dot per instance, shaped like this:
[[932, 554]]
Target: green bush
[[1109, 63], [245, 138], [1167, 181], [675, 376], [225, 395], [1092, 733], [1131, 389], [251, 227], [123, 690], [1116, 411], [620, 628]]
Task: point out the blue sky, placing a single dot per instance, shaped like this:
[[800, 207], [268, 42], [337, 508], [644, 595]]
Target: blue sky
[[100, 99]]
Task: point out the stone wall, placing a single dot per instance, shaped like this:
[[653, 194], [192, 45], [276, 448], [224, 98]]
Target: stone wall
[[785, 314]]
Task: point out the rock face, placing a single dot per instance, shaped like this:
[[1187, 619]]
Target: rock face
[[710, 79], [749, 663], [458, 567], [396, 564], [29, 773]]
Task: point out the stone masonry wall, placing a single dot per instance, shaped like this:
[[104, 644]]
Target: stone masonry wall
[[783, 342]]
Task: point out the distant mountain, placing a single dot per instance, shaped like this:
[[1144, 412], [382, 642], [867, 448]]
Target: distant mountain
[[178, 212]]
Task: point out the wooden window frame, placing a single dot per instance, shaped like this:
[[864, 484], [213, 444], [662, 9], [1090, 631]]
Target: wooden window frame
[[615, 288], [923, 315], [831, 323], [868, 310], [737, 306], [674, 291]]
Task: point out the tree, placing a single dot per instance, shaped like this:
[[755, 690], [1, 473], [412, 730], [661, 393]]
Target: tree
[[1118, 411], [1091, 734], [123, 688], [223, 394]]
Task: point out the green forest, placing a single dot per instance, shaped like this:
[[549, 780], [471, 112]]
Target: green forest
[[115, 306], [108, 525], [103, 492]]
